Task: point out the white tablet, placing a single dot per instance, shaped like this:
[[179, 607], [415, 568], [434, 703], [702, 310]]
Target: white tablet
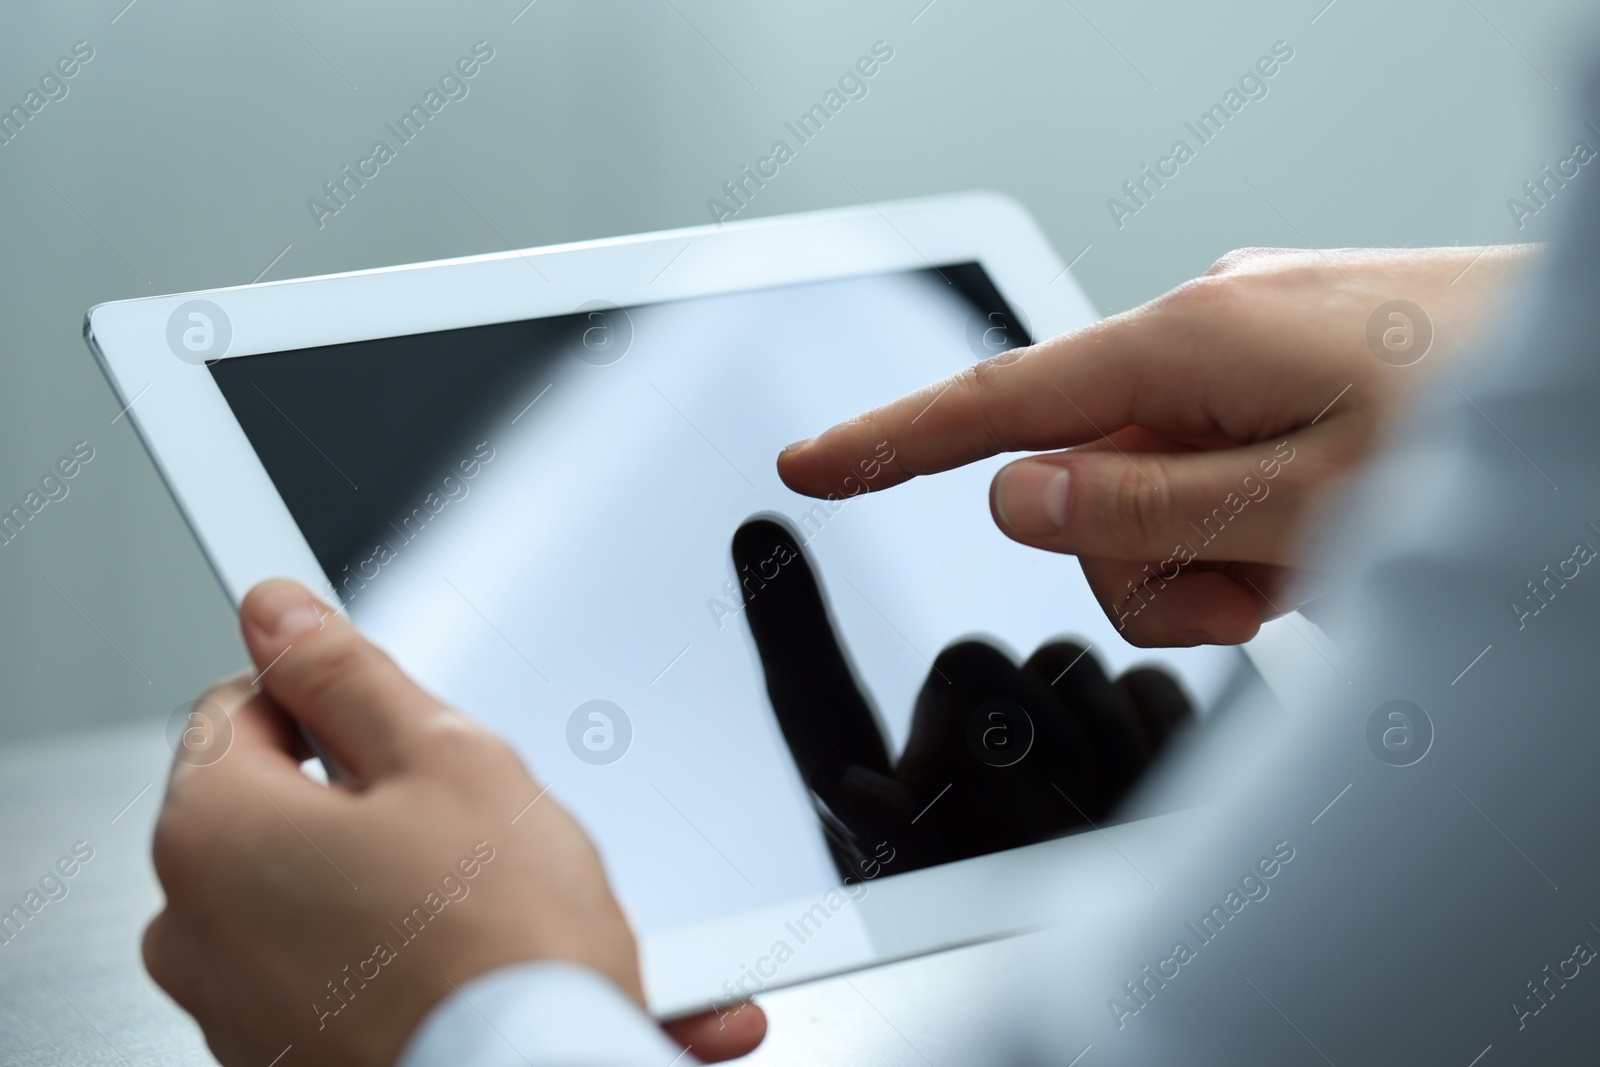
[[522, 475]]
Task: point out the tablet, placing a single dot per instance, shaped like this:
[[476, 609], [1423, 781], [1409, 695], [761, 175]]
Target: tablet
[[523, 475]]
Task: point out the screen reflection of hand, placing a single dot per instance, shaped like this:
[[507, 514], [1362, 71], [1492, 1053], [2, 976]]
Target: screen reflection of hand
[[999, 755]]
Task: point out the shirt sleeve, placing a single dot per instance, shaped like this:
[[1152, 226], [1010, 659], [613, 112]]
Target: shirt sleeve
[[540, 1015]]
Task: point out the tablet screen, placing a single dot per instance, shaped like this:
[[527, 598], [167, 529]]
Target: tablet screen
[[537, 519]]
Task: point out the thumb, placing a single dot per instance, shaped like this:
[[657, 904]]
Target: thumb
[[1227, 504], [341, 688]]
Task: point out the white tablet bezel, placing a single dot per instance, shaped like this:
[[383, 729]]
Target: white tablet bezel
[[248, 534]]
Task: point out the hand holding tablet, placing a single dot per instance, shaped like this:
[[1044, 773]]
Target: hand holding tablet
[[418, 881]]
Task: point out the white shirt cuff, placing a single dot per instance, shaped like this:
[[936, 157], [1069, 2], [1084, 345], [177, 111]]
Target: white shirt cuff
[[540, 1015]]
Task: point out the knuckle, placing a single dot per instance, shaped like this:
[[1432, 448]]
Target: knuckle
[[195, 832], [195, 805], [876, 425], [1197, 296], [979, 382], [338, 663], [454, 742], [1245, 274], [167, 961], [165, 850], [451, 736], [1244, 257], [153, 947], [1140, 508], [1215, 300], [172, 847], [981, 375]]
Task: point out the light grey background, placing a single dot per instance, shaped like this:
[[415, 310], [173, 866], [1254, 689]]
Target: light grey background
[[184, 154]]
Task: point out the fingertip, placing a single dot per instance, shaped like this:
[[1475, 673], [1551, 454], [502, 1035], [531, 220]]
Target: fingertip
[[843, 461], [750, 1031], [796, 467], [721, 1035], [276, 611]]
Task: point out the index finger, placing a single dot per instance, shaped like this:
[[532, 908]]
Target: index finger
[[1067, 391]]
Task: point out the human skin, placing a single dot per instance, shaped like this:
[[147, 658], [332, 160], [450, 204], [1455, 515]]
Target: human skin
[[1159, 411], [1148, 420], [275, 883]]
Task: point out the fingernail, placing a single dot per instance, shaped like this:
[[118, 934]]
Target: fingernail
[[797, 445], [1031, 498], [281, 608], [1191, 638]]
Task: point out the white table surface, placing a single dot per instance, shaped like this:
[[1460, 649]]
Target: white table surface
[[73, 991]]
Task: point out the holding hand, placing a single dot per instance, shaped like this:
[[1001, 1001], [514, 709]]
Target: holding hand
[[333, 918], [1201, 429]]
